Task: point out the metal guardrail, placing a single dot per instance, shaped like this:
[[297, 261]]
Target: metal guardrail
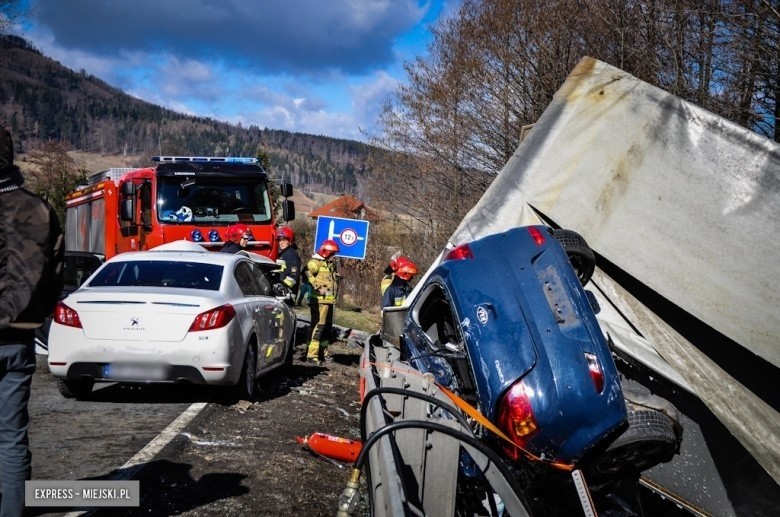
[[412, 469]]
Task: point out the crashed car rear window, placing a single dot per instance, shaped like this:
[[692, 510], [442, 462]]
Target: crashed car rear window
[[159, 273]]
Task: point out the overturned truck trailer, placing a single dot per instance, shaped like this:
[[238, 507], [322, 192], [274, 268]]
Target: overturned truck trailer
[[682, 209]]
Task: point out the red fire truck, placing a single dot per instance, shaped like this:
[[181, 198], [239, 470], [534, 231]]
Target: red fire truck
[[192, 198]]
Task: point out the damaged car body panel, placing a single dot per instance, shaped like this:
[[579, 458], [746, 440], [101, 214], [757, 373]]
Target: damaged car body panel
[[522, 316]]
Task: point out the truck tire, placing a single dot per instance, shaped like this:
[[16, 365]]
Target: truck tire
[[582, 258], [74, 389], [650, 439]]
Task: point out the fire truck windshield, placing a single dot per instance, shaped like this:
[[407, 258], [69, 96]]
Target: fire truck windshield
[[210, 200]]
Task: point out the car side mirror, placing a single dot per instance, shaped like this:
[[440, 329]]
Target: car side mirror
[[280, 291]]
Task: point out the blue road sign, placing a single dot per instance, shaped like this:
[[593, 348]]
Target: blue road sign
[[350, 234]]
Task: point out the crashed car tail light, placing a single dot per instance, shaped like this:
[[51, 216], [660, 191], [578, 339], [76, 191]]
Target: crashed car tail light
[[213, 319], [460, 252], [516, 418], [64, 315], [537, 236], [595, 372]]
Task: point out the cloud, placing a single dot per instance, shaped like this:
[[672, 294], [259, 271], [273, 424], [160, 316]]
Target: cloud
[[367, 98], [272, 36], [313, 66]]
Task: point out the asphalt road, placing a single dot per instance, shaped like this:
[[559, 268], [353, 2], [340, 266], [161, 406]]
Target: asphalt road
[[77, 440], [119, 428]]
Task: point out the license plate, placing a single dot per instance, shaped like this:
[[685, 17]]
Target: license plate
[[135, 372]]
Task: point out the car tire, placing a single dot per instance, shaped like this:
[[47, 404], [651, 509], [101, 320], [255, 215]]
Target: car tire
[[649, 439], [75, 389], [247, 382], [580, 255], [290, 354]]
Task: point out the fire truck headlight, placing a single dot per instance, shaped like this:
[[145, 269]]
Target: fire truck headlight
[[196, 235], [214, 236]]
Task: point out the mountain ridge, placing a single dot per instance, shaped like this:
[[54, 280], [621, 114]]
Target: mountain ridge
[[42, 100]]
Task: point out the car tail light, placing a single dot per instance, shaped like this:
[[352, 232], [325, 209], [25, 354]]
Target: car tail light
[[460, 252], [595, 372], [536, 235], [64, 315], [516, 418], [213, 319]]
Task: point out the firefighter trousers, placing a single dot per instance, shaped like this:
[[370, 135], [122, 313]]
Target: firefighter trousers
[[320, 330]]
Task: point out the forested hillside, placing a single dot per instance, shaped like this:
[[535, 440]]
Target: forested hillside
[[43, 101]]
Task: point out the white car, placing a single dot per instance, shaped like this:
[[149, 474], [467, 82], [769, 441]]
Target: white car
[[177, 313]]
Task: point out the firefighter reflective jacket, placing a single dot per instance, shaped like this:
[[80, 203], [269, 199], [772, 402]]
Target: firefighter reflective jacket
[[322, 277], [385, 283], [396, 293]]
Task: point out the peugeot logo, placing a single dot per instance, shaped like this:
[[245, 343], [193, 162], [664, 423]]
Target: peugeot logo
[[134, 321]]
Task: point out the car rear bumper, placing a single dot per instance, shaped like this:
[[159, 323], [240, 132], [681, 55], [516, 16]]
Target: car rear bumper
[[201, 358], [174, 374]]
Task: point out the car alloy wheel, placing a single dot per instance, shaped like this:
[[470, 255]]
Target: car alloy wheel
[[247, 383]]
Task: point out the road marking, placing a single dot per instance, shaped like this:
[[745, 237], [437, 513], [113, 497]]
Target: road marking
[[145, 455]]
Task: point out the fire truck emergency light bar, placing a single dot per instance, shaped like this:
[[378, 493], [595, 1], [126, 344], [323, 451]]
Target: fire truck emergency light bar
[[233, 159]]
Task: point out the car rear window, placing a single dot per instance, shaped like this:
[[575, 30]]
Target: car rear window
[[159, 273]]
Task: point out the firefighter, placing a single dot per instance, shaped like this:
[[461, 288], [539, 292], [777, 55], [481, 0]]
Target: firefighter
[[389, 273], [289, 261], [387, 277], [321, 274], [237, 237], [399, 287]]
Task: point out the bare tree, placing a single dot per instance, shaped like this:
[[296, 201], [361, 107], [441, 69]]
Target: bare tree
[[10, 10], [494, 66], [54, 175], [752, 72]]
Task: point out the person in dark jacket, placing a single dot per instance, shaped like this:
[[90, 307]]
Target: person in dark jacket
[[31, 280], [236, 238], [399, 288], [289, 261]]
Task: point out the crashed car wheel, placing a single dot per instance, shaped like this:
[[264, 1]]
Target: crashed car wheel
[[74, 389], [580, 255], [650, 439]]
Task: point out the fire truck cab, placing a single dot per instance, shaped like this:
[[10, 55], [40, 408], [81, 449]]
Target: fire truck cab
[[190, 198]]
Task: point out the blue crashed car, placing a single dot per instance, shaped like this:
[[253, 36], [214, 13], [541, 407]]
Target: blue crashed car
[[504, 322]]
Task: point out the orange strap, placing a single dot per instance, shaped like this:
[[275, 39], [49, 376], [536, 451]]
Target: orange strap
[[487, 424]]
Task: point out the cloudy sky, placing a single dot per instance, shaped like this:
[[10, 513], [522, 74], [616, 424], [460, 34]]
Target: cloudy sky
[[311, 66]]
